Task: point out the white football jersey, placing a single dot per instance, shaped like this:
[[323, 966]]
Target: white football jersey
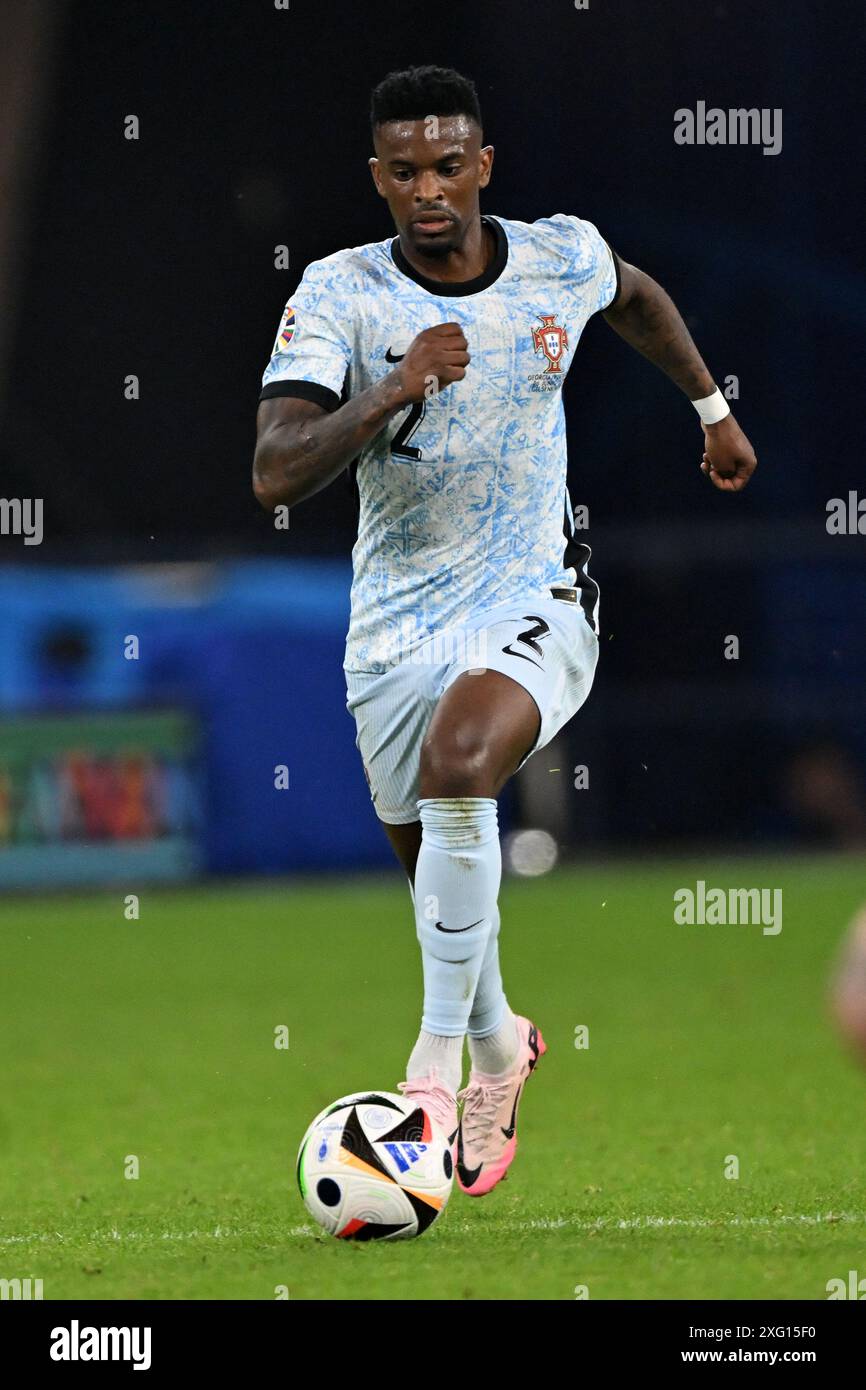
[[463, 503]]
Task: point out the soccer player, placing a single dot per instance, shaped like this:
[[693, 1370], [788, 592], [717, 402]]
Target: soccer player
[[430, 365]]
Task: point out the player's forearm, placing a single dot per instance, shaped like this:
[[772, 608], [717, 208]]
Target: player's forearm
[[647, 318], [293, 462]]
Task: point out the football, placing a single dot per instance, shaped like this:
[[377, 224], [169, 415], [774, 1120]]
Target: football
[[374, 1166]]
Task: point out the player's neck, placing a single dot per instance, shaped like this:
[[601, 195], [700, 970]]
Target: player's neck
[[467, 263]]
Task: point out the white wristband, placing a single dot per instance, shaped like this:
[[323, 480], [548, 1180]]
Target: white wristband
[[712, 408]]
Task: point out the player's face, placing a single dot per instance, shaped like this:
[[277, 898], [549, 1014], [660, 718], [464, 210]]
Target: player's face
[[430, 172]]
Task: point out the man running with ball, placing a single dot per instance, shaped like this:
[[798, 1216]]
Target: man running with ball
[[431, 365]]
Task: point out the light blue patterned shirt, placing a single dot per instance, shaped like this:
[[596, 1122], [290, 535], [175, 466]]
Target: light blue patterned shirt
[[463, 499]]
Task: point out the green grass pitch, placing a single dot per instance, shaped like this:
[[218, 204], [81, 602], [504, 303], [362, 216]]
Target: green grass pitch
[[155, 1038]]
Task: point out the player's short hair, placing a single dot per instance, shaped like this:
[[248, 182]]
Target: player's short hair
[[418, 92]]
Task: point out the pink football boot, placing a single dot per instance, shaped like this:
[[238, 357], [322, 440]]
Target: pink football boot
[[487, 1137], [440, 1102]]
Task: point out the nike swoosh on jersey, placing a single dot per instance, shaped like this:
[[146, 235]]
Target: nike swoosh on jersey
[[393, 356]]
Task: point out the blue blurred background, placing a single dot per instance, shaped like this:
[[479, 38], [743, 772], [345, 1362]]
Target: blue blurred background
[[155, 257]]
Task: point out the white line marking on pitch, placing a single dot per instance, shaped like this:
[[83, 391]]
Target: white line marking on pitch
[[602, 1223], [697, 1223]]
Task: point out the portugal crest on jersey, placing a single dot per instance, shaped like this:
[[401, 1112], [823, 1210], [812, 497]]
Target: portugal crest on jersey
[[551, 339]]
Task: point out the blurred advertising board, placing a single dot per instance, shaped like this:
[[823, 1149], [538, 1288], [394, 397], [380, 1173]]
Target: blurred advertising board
[[99, 797]]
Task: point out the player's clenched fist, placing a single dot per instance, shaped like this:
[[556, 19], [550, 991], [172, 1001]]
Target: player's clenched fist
[[729, 459], [433, 360]]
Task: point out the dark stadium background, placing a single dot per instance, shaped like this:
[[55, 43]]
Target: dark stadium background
[[156, 257]]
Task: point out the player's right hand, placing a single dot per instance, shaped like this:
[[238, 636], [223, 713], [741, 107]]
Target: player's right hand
[[729, 459], [434, 359]]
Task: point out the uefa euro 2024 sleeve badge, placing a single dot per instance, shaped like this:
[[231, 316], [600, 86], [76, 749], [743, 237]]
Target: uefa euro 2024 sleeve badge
[[287, 331]]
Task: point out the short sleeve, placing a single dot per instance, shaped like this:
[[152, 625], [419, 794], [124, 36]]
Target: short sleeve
[[594, 267], [312, 349]]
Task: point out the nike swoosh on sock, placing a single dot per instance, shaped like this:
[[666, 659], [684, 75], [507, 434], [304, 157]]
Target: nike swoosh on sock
[[452, 930]]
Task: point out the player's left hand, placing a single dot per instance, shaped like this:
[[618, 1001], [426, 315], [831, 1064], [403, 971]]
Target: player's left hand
[[729, 459]]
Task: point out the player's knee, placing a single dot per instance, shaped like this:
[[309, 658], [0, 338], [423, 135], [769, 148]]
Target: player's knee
[[456, 765]]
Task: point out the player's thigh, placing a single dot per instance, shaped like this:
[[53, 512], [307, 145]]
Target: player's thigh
[[563, 683], [548, 649], [484, 724]]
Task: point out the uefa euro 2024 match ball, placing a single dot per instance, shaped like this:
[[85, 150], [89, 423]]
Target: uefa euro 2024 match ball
[[375, 1166]]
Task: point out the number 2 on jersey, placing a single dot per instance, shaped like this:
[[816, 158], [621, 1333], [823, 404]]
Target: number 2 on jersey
[[400, 445]]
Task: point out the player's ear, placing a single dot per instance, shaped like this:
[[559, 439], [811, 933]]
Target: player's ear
[[374, 170], [486, 163]]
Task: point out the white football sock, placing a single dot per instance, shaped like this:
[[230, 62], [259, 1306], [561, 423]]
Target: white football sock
[[432, 1050], [457, 880], [489, 1003], [497, 1051], [493, 1038]]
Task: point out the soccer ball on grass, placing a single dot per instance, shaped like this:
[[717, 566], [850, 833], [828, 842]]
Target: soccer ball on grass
[[375, 1166]]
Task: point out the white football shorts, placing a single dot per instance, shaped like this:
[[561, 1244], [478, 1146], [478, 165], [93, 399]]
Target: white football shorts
[[545, 644]]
